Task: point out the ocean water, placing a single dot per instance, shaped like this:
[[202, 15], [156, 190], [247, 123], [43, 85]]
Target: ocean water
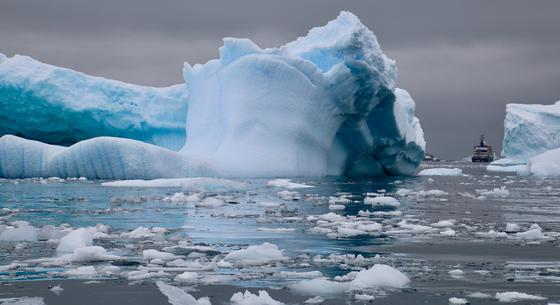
[[410, 237]]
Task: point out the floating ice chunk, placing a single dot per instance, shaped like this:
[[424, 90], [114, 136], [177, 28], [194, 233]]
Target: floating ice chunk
[[457, 301], [196, 184], [338, 200], [337, 207], [456, 273], [56, 289], [276, 230], [492, 234], [89, 254], [256, 255], [403, 192], [210, 202], [84, 271], [441, 172], [288, 195], [78, 238], [23, 301], [186, 277], [479, 295], [380, 276], [151, 254], [287, 183], [182, 197], [268, 204], [247, 298], [514, 296], [382, 201], [444, 223], [141, 232], [448, 232], [177, 296], [410, 228], [315, 300], [534, 233], [20, 233], [304, 274], [320, 287], [499, 192], [521, 169], [431, 193], [142, 274], [512, 227], [364, 297]]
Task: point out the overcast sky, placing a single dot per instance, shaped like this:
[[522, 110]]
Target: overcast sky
[[462, 61]]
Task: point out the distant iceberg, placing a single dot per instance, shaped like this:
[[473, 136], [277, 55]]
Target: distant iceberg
[[324, 104], [531, 140]]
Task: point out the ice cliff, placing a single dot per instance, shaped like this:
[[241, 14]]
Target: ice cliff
[[60, 106], [323, 104], [531, 138]]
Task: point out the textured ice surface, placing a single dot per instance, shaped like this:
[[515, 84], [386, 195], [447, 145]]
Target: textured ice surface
[[345, 117], [441, 172], [323, 104], [530, 130], [532, 137], [98, 158], [60, 106]]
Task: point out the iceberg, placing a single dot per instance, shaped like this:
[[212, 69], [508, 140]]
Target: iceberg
[[531, 142], [324, 104], [530, 130], [61, 106]]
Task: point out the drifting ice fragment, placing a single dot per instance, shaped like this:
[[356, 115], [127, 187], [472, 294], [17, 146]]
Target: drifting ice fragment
[[441, 172]]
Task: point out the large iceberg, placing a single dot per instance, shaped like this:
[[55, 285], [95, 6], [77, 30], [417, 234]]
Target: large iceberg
[[325, 104], [61, 106], [531, 139]]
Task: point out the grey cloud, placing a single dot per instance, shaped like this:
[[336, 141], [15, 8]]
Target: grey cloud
[[462, 61]]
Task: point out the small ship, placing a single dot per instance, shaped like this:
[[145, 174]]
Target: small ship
[[482, 152]]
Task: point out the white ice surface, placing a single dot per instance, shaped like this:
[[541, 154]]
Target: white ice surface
[[177, 296], [248, 298], [441, 172], [256, 255], [514, 296]]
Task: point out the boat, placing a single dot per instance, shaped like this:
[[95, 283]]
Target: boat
[[482, 152]]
